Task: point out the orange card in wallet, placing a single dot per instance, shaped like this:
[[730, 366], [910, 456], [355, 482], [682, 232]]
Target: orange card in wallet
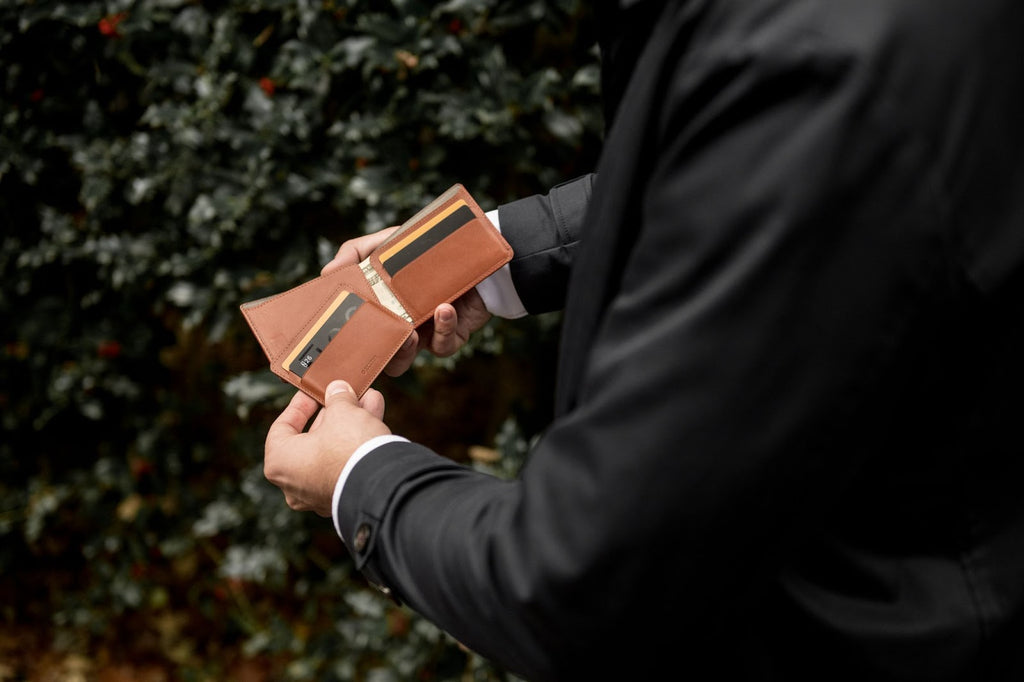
[[349, 323]]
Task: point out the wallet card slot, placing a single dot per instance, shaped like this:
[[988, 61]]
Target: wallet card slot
[[279, 321], [444, 250], [447, 268], [357, 352]]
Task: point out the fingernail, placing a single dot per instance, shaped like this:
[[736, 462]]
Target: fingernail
[[446, 315], [336, 387]]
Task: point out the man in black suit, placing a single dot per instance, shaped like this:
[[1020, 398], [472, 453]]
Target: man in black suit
[[789, 439]]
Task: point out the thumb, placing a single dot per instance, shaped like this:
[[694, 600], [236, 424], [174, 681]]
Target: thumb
[[339, 391]]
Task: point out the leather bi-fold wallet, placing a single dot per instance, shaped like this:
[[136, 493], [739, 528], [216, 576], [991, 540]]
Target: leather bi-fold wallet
[[349, 323]]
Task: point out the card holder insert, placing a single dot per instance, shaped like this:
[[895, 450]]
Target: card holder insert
[[447, 248], [438, 274], [359, 351], [319, 292]]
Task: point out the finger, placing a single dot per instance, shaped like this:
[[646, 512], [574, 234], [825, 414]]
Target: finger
[[403, 359], [339, 392], [293, 419], [445, 339], [472, 312], [373, 402], [347, 254], [295, 503], [355, 250], [316, 422]]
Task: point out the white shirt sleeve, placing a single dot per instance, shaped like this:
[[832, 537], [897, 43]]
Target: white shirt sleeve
[[497, 291], [363, 450]]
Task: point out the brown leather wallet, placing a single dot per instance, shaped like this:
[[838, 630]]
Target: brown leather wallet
[[349, 323]]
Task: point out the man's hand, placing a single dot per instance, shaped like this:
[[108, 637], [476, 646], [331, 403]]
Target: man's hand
[[306, 466], [356, 250], [451, 325]]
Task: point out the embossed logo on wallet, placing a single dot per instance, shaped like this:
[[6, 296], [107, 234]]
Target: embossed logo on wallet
[[369, 364]]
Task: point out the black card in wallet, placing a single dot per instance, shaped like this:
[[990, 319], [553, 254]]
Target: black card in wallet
[[349, 323]]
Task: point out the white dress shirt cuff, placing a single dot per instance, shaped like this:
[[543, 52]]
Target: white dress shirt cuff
[[363, 450], [497, 291]]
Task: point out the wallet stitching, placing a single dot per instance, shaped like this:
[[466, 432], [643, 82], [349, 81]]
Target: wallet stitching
[[375, 254], [361, 386], [387, 358], [506, 254], [303, 327], [494, 266]]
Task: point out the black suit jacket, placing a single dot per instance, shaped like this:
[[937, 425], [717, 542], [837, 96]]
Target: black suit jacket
[[789, 441]]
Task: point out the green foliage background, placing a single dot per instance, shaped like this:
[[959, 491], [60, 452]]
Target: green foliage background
[[162, 161]]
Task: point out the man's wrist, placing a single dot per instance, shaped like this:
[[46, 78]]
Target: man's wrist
[[360, 452], [498, 291]]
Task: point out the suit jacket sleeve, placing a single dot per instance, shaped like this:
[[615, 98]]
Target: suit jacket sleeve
[[544, 231], [777, 319]]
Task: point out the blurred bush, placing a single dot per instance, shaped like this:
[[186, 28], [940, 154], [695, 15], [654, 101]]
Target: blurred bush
[[162, 161]]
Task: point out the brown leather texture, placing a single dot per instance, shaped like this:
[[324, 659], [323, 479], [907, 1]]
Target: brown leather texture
[[280, 320], [371, 337], [450, 268], [359, 352], [443, 273]]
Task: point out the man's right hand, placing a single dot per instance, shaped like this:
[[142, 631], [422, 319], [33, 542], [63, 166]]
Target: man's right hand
[[444, 334]]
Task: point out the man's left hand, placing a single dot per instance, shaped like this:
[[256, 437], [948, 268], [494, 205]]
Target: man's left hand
[[305, 465]]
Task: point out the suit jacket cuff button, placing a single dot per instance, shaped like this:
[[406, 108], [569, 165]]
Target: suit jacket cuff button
[[361, 539]]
